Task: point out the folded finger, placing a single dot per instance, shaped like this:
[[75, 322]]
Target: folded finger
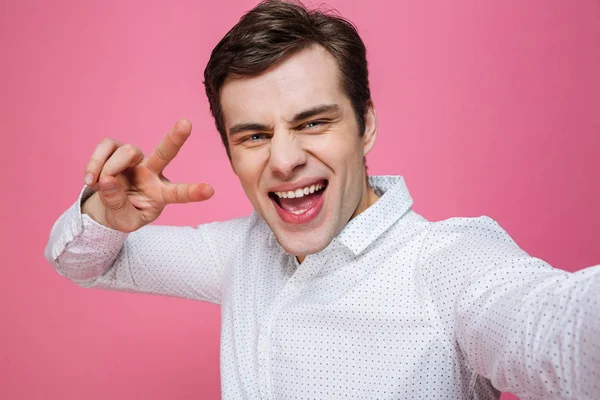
[[124, 157], [99, 157]]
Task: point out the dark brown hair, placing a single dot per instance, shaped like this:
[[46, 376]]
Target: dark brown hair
[[274, 30]]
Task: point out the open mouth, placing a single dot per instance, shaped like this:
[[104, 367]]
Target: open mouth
[[301, 200]]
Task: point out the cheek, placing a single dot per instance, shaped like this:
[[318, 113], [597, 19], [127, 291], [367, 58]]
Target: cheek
[[248, 165], [341, 149], [338, 143]]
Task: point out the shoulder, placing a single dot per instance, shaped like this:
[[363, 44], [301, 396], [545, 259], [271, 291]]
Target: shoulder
[[468, 240], [235, 231], [463, 230]]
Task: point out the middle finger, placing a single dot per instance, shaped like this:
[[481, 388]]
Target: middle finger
[[125, 157]]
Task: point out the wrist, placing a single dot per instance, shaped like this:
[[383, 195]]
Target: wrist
[[94, 208]]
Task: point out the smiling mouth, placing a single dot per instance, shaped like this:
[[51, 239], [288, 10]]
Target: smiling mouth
[[301, 200]]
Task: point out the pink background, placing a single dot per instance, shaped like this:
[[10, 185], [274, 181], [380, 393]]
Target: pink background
[[486, 108]]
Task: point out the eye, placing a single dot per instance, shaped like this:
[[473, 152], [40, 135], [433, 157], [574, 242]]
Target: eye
[[312, 124], [255, 137]]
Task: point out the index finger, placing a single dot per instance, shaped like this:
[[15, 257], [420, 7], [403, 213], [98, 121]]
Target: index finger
[[169, 146]]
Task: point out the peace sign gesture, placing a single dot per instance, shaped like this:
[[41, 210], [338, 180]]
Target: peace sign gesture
[[131, 190]]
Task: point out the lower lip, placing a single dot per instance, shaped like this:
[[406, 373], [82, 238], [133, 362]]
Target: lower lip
[[303, 218]]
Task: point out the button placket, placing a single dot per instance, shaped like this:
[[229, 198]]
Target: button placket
[[263, 362], [264, 356], [292, 288]]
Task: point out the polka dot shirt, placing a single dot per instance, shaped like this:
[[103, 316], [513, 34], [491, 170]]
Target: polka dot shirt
[[396, 307]]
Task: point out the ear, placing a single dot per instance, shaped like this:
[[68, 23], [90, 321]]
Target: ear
[[370, 133], [231, 161], [233, 168]]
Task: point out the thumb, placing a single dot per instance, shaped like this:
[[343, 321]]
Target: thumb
[[186, 193], [112, 194]]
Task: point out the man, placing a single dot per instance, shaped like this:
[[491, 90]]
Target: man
[[334, 287]]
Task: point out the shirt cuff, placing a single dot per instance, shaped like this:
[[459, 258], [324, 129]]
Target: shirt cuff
[[73, 223]]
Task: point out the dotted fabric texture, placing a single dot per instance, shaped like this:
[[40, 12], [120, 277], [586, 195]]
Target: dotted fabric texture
[[396, 307]]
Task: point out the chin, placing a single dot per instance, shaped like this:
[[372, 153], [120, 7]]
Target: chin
[[304, 243]]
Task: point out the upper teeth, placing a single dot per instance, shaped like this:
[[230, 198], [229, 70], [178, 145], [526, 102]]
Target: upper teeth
[[290, 194]]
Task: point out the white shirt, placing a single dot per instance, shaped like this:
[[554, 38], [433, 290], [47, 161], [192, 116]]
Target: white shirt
[[396, 307]]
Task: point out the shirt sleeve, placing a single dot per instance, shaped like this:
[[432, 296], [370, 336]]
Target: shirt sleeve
[[529, 328], [179, 261]]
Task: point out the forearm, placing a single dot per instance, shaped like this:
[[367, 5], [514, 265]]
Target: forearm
[[537, 339], [80, 248], [170, 260]]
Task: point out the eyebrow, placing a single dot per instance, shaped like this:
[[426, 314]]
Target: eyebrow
[[311, 112], [302, 115], [243, 127]]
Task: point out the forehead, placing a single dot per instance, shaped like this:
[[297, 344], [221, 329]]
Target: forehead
[[303, 80]]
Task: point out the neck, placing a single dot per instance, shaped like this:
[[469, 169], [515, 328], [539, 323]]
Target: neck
[[368, 199]]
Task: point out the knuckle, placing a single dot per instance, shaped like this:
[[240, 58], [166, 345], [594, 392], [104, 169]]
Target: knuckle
[[129, 149], [175, 190], [176, 142], [93, 165], [160, 154], [172, 142]]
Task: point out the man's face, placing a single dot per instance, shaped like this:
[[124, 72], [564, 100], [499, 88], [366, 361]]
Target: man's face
[[295, 146]]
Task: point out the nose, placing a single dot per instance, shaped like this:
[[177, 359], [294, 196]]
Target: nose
[[287, 155]]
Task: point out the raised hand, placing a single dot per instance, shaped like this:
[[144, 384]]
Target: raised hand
[[131, 190]]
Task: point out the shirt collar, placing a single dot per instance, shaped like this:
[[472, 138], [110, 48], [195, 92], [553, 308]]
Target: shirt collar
[[394, 201]]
